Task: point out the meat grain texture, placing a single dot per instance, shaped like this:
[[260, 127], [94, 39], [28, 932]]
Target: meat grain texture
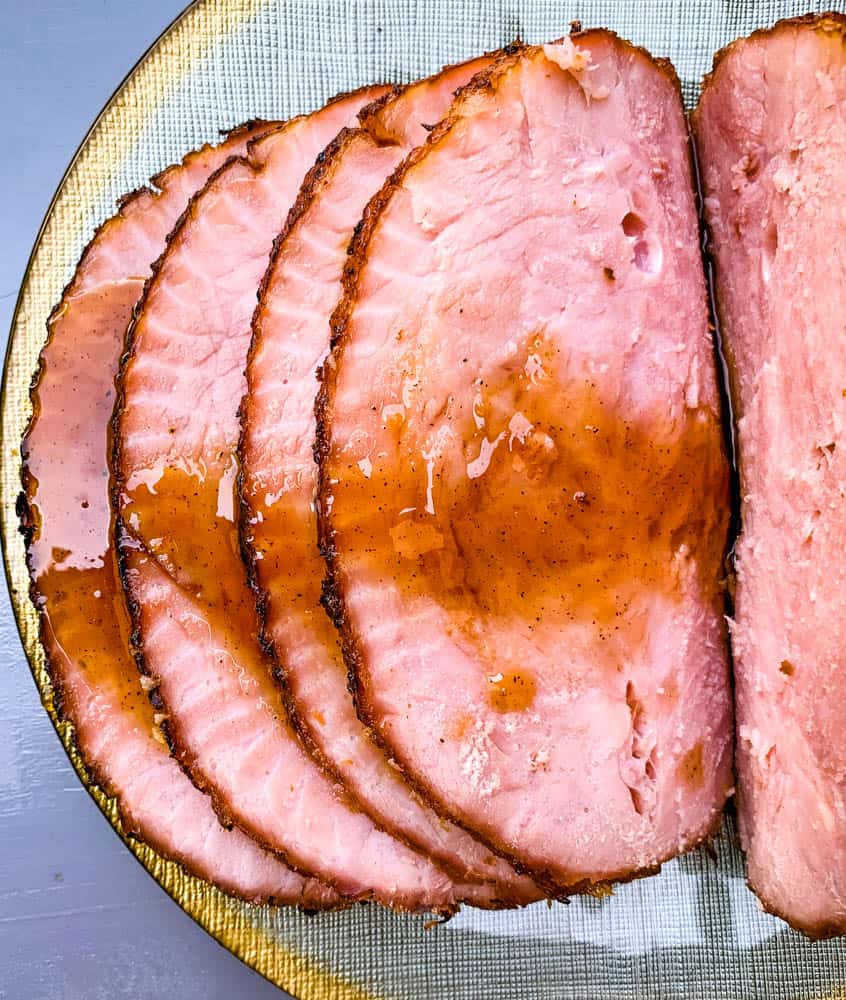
[[67, 522], [771, 135], [523, 489], [195, 625], [278, 474]]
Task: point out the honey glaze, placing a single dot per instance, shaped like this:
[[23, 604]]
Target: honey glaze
[[184, 516], [89, 626], [513, 691], [85, 623], [284, 533], [690, 769], [536, 496]]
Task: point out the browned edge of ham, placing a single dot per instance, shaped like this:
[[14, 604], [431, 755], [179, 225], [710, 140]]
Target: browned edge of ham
[[796, 879], [827, 20], [125, 539], [95, 686], [451, 847], [363, 861], [333, 594], [311, 189]]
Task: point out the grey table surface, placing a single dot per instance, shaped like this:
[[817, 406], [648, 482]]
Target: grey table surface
[[79, 918]]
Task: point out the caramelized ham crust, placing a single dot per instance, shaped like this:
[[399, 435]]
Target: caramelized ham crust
[[523, 489], [278, 474], [66, 520], [176, 429], [771, 133]]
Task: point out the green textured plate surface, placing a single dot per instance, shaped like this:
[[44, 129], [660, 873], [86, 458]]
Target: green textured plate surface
[[695, 931]]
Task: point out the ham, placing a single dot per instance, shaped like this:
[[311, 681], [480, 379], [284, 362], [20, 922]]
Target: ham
[[772, 140], [523, 486], [195, 625], [66, 520], [290, 340]]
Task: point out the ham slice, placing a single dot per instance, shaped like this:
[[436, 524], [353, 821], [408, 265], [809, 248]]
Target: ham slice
[[195, 625], [290, 340], [523, 486], [66, 520], [771, 134]]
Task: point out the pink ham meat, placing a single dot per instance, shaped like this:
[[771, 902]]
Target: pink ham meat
[[290, 340], [771, 133], [523, 488], [195, 627], [66, 519]]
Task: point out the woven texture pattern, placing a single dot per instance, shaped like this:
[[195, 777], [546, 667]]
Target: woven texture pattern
[[694, 931]]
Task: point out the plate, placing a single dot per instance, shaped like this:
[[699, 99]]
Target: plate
[[693, 932]]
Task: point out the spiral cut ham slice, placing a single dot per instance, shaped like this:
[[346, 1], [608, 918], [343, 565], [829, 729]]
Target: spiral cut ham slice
[[523, 488], [771, 134], [290, 340], [66, 519], [195, 625]]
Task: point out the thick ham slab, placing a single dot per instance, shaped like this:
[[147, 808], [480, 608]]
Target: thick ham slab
[[523, 489], [278, 474], [66, 519], [772, 142], [195, 626]]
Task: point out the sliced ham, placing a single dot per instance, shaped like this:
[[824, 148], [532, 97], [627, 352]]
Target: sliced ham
[[523, 486], [290, 340], [771, 134], [66, 520], [195, 625]]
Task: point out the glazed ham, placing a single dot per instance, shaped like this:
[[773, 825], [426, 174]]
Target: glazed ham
[[290, 340], [523, 486], [772, 141], [65, 514], [176, 429]]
